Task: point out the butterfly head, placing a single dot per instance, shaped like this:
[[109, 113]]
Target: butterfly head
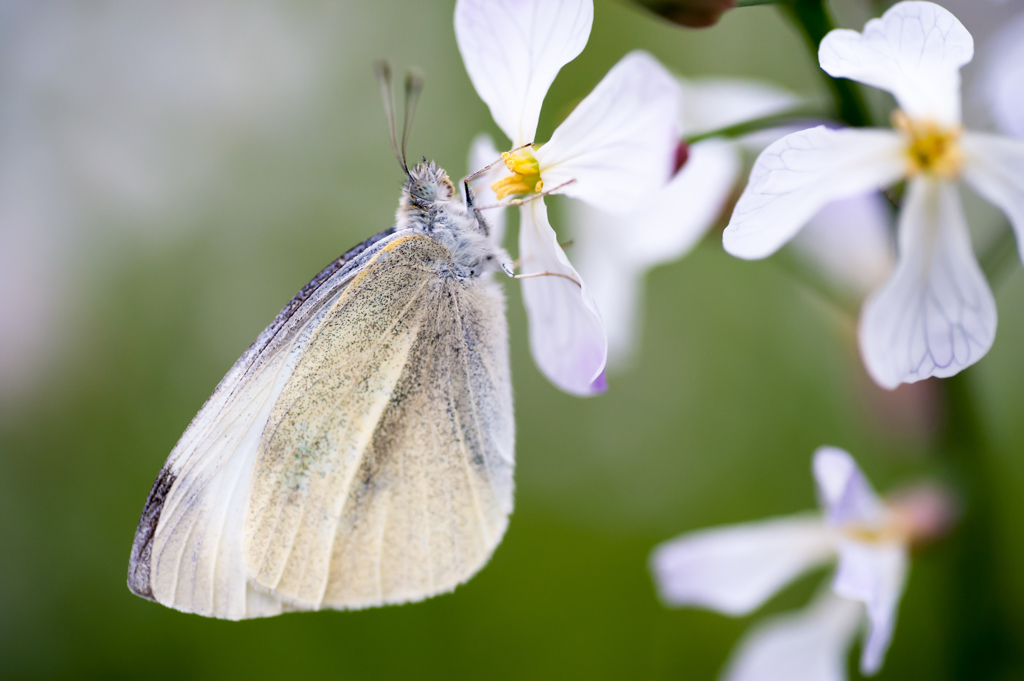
[[430, 204], [426, 184], [429, 201]]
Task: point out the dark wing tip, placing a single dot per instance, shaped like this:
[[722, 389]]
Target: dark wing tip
[[142, 548]]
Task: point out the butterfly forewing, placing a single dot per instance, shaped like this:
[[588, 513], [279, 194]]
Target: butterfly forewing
[[186, 552]]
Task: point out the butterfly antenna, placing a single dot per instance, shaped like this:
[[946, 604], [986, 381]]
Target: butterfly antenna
[[413, 86], [383, 70]]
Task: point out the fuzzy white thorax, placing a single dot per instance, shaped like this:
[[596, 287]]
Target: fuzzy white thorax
[[430, 206]]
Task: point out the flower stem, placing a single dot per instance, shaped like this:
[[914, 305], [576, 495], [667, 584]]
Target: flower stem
[[813, 20], [997, 259], [981, 647], [773, 121], [755, 3]]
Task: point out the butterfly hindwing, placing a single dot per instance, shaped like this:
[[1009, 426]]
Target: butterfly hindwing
[[385, 470]]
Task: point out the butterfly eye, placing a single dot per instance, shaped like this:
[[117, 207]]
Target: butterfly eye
[[422, 191]]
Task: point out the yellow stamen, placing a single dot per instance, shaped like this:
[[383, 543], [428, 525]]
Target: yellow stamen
[[931, 147], [525, 178]]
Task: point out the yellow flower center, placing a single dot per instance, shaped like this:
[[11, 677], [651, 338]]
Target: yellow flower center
[[931, 147], [901, 525], [892, 532], [525, 177]]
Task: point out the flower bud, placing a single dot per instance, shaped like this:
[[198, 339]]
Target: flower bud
[[925, 512], [690, 13]]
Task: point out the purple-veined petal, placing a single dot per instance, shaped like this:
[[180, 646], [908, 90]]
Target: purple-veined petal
[[850, 242], [808, 645], [614, 250], [481, 154], [710, 104], [874, 574], [513, 49], [619, 144], [734, 569], [914, 51], [936, 315], [798, 175], [845, 494], [994, 167], [567, 336]]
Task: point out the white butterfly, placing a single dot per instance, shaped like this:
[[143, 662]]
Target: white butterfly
[[360, 452]]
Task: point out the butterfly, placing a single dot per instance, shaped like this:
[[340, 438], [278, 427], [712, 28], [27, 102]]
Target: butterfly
[[361, 451]]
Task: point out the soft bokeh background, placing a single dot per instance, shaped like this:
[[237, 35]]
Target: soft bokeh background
[[171, 173]]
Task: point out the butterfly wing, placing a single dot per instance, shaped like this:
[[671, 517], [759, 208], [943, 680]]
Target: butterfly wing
[[348, 425], [200, 493], [385, 471]]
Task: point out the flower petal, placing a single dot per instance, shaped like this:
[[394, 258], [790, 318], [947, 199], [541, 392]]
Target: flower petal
[[799, 174], [617, 286], [735, 569], [915, 51], [711, 104], [619, 144], [513, 49], [936, 315], [809, 645], [566, 333], [994, 168], [874, 574], [614, 250], [672, 221], [482, 153], [843, 490], [850, 242], [1001, 81]]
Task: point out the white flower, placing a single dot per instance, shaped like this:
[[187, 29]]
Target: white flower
[[936, 314], [1001, 83], [735, 569], [809, 645], [849, 241], [616, 147], [614, 250]]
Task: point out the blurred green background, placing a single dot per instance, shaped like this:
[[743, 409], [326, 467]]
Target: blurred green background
[[172, 173]]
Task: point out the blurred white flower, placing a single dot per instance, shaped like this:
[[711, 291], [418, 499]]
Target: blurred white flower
[[614, 250], [617, 146], [849, 241], [936, 314], [1001, 81], [809, 645], [735, 569]]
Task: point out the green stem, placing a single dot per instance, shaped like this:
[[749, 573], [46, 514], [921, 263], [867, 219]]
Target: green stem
[[756, 3], [980, 647], [999, 257], [813, 20], [746, 127]]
